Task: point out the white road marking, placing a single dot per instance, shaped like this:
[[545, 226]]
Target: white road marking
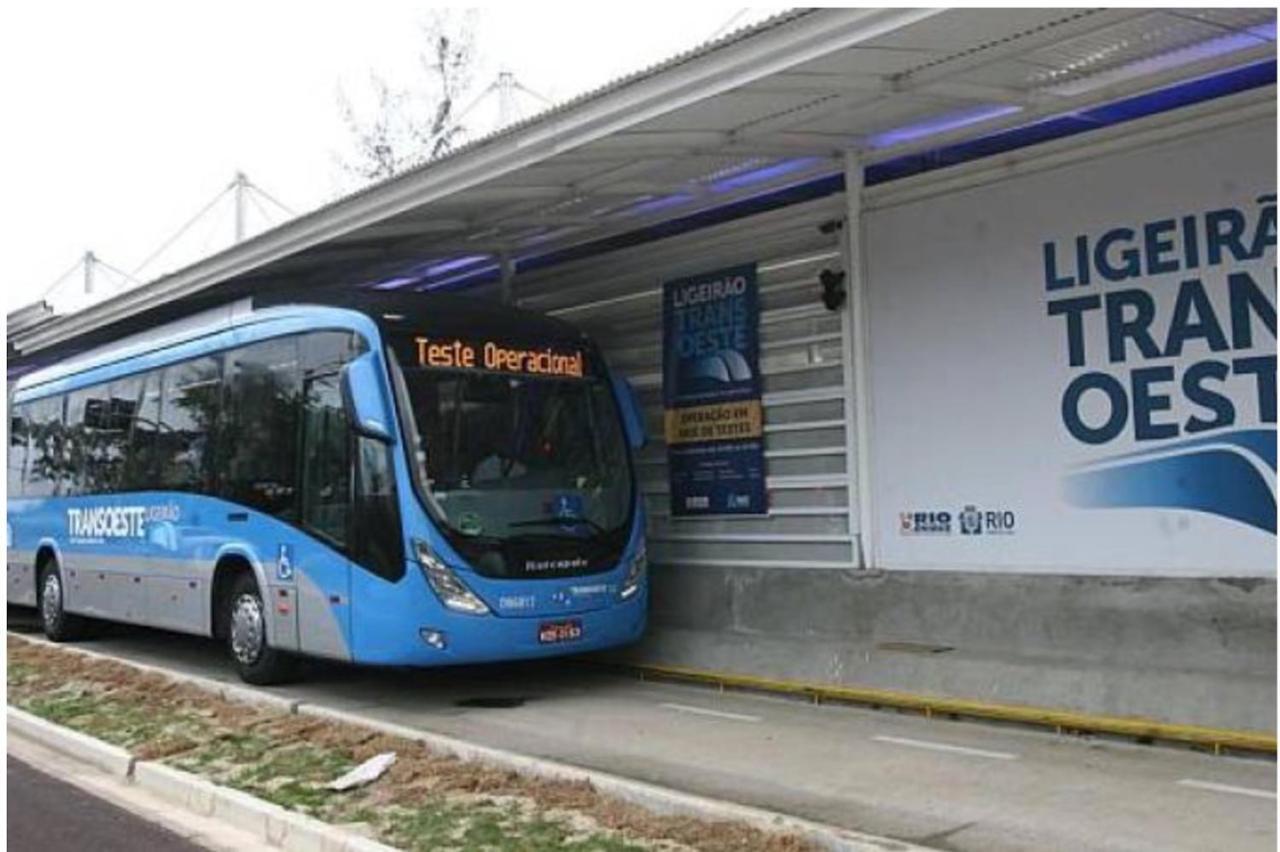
[[704, 711], [1228, 788], [954, 749]]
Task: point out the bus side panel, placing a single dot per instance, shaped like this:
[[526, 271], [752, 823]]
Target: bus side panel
[[304, 582], [20, 562]]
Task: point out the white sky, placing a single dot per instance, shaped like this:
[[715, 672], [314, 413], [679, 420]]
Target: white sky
[[122, 119]]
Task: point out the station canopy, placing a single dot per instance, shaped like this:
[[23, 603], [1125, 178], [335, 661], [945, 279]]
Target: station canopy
[[779, 105]]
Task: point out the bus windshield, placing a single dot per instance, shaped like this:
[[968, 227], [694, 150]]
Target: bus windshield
[[528, 474]]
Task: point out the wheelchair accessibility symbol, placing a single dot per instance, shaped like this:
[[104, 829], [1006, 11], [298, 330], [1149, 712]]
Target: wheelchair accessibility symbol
[[284, 563]]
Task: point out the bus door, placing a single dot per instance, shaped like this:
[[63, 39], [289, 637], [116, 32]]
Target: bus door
[[321, 569]]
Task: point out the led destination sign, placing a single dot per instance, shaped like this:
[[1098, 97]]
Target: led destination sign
[[452, 353]]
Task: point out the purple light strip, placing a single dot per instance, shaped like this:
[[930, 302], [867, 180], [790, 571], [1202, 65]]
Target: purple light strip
[[941, 124], [445, 282], [764, 173]]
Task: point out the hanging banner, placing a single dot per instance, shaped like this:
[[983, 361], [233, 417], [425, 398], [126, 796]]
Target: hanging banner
[[711, 393]]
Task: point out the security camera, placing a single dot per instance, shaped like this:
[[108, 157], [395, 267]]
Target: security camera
[[833, 292], [831, 226]]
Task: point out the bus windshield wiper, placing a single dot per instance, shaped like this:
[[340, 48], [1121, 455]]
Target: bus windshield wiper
[[559, 522]]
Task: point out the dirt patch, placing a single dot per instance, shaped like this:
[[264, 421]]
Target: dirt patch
[[427, 800]]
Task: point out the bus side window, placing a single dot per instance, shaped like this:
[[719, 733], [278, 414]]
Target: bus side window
[[122, 402], [189, 413], [260, 417], [44, 459], [326, 459], [379, 545], [74, 443], [18, 434], [141, 472], [95, 436]]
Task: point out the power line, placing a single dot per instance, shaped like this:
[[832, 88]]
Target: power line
[[725, 27]]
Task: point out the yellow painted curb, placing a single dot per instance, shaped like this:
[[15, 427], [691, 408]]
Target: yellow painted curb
[[1061, 720]]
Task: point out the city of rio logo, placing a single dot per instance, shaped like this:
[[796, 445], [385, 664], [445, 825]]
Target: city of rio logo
[[974, 521], [969, 521], [924, 523]]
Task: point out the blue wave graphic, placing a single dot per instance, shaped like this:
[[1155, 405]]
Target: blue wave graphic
[[1204, 476]]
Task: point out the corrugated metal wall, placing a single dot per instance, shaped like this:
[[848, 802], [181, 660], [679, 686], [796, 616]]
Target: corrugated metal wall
[[812, 522]]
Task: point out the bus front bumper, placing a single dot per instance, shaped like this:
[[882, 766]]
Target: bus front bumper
[[455, 639]]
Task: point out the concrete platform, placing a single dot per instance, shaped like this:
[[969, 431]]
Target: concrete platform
[[1191, 652]]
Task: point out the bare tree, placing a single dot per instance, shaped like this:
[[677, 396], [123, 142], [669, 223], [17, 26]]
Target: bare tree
[[400, 127]]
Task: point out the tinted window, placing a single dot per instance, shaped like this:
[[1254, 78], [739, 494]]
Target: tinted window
[[45, 464], [189, 411], [17, 448], [113, 437], [326, 351], [379, 546], [263, 397], [326, 465], [142, 467], [98, 429], [75, 443]]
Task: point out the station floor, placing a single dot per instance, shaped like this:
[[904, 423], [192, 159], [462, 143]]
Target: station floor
[[946, 784]]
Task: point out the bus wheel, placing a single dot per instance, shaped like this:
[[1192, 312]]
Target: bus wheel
[[59, 625], [246, 619]]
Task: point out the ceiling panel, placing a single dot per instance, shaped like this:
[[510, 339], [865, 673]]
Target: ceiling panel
[[1136, 39]]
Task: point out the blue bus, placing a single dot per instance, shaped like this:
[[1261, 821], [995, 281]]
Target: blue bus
[[402, 480]]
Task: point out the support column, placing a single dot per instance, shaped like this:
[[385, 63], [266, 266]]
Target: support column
[[241, 184], [90, 263], [857, 351]]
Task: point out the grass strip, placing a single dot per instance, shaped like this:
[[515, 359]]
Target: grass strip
[[426, 801]]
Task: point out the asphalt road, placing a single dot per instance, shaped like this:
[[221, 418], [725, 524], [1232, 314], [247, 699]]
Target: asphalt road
[[47, 815], [953, 785]]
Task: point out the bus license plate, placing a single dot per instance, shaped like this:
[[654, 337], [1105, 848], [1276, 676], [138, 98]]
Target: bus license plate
[[559, 631]]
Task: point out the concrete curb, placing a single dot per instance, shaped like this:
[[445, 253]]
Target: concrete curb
[[660, 800], [271, 823], [278, 826], [108, 758]]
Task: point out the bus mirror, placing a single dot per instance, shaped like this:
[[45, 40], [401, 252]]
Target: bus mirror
[[362, 391], [632, 412]]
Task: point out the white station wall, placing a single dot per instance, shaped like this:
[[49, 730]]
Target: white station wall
[[975, 465]]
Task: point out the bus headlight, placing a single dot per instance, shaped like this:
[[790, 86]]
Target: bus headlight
[[453, 593], [635, 574]]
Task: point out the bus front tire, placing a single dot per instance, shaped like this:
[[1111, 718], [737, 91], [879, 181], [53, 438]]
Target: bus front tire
[[58, 624], [246, 622]]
